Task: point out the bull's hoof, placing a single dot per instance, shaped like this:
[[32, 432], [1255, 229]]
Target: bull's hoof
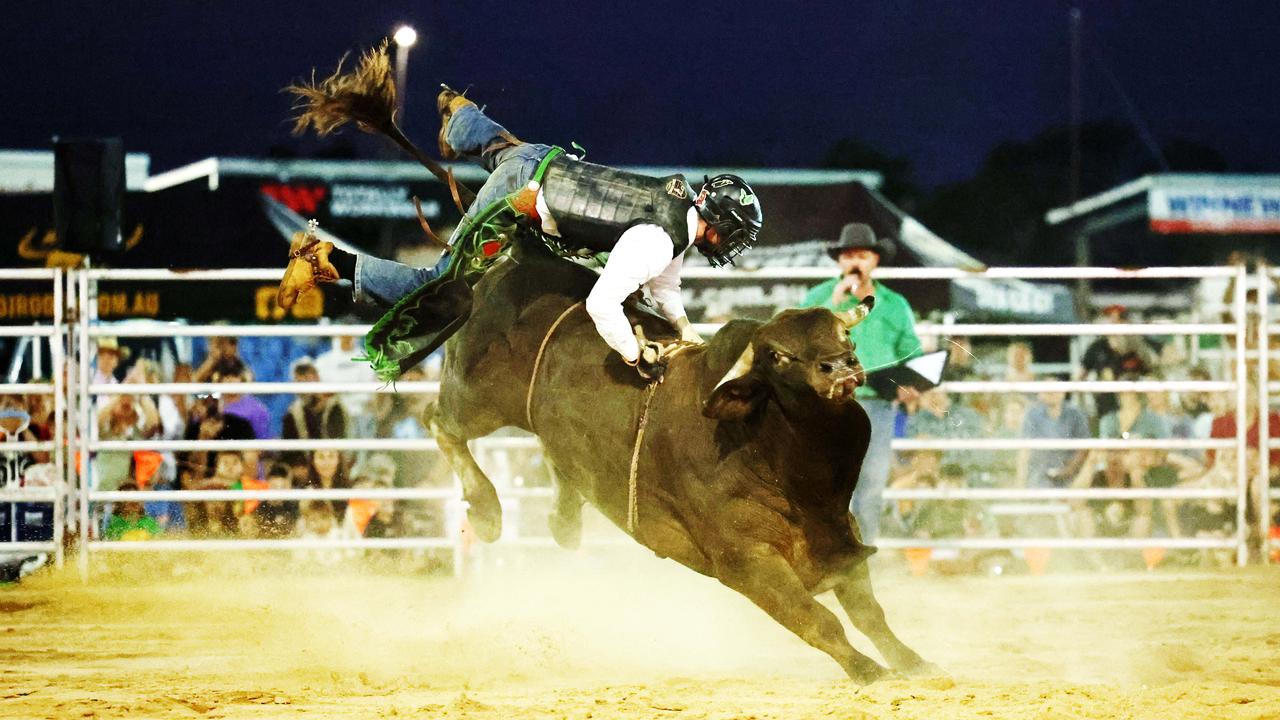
[[485, 515], [567, 531], [869, 672]]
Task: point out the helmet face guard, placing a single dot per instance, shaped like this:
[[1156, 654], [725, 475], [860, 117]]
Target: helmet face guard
[[729, 205]]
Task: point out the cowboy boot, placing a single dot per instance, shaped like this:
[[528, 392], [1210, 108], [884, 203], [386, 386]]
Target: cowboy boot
[[308, 265], [448, 102]]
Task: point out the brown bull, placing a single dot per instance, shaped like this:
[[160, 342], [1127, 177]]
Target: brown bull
[[749, 457]]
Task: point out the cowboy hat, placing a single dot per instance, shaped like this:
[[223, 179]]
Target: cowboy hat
[[860, 236]]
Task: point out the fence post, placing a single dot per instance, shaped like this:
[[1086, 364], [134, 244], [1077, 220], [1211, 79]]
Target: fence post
[[1242, 424], [84, 411], [1264, 410], [57, 361]]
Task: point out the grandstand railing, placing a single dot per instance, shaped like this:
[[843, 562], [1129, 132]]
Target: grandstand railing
[[80, 394]]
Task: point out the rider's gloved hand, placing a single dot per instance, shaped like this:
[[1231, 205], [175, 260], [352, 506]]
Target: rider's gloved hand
[[652, 361]]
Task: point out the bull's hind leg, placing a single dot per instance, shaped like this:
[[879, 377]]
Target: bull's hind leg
[[484, 510], [768, 580], [857, 599], [565, 520]]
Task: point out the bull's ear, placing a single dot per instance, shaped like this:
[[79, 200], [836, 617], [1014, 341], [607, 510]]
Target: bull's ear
[[738, 392]]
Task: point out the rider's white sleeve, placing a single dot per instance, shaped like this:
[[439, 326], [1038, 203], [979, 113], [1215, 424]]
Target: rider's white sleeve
[[642, 253], [665, 290]]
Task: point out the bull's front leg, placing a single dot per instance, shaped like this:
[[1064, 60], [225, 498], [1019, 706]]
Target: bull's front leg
[[765, 577], [484, 510], [857, 599]]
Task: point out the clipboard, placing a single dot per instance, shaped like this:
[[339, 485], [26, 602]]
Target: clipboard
[[922, 373]]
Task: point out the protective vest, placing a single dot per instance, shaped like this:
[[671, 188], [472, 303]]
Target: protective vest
[[593, 204]]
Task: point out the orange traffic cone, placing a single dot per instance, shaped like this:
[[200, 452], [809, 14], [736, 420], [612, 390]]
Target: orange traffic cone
[[1152, 556], [918, 559], [1037, 559]]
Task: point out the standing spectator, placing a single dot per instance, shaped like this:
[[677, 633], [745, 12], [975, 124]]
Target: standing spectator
[[110, 354], [232, 370], [220, 348], [1107, 358], [885, 338], [311, 415], [207, 422], [336, 365], [1051, 417], [399, 416], [123, 417]]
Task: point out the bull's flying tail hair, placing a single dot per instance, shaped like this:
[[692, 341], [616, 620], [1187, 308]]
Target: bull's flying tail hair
[[365, 96]]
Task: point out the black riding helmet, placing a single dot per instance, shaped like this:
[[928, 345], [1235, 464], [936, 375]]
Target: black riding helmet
[[729, 205]]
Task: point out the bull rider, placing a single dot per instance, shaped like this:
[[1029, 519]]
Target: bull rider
[[645, 224]]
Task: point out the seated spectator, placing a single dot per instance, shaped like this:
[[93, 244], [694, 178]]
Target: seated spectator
[[319, 523], [207, 421], [272, 518], [1214, 518], [216, 517], [999, 468], [930, 518], [369, 517], [1018, 360], [129, 521], [325, 470], [311, 415], [1115, 518], [938, 417], [1051, 417], [1132, 419]]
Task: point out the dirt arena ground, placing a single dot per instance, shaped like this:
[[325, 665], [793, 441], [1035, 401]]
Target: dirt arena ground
[[593, 636]]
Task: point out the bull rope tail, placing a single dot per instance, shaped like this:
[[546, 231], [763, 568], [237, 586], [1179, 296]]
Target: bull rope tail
[[537, 363], [633, 510]]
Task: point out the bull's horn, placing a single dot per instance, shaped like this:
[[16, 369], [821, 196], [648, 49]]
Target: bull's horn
[[741, 367], [857, 313]]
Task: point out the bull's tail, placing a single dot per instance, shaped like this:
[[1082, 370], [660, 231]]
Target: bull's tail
[[367, 97]]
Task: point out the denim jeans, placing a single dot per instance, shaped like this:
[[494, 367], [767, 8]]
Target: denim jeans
[[868, 496], [470, 131]]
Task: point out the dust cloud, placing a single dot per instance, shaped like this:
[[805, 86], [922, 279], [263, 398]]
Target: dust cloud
[[617, 633]]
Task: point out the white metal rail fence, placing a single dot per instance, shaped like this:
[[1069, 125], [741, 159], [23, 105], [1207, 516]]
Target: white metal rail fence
[[75, 400], [16, 494]]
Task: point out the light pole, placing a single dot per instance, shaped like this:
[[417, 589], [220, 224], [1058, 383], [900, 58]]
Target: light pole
[[405, 37]]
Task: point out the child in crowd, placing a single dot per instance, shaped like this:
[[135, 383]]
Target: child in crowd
[[371, 518], [271, 518], [129, 521], [217, 517], [319, 523]]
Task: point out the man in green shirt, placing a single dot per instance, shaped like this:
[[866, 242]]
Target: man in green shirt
[[885, 338]]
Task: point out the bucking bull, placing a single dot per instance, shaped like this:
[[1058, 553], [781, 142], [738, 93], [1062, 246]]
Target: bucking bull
[[740, 465]]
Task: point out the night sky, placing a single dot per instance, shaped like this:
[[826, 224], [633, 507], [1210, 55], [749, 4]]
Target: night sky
[[710, 83]]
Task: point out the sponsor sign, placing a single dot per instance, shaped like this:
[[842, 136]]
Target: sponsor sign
[[1215, 208]]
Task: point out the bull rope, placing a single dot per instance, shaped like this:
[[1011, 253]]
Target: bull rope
[[633, 510], [537, 363]]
